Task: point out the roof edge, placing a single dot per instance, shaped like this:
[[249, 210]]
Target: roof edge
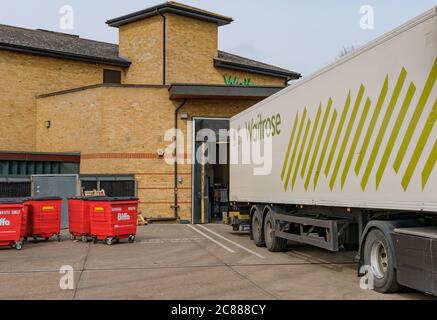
[[221, 63], [63, 55], [179, 91], [170, 7]]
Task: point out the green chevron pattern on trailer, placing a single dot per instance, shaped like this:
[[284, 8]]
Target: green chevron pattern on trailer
[[319, 141], [373, 155]]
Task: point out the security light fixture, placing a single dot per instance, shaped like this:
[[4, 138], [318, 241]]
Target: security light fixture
[[184, 116]]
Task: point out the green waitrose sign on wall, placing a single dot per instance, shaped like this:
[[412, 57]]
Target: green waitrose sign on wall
[[235, 81]]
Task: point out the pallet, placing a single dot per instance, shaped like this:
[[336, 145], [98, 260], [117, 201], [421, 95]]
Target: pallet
[[141, 221]]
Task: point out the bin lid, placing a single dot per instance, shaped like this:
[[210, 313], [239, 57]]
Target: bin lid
[[13, 200], [44, 198], [105, 198]]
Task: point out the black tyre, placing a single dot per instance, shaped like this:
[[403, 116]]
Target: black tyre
[[257, 229], [84, 239], [273, 243], [379, 258], [131, 239]]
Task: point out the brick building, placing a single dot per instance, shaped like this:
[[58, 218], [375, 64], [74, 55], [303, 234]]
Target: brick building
[[83, 106]]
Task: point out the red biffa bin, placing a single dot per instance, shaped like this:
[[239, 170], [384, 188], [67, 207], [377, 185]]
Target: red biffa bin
[[113, 219], [13, 222], [79, 218], [45, 218]]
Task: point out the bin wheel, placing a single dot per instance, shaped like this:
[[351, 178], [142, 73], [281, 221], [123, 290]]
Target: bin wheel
[[131, 239], [95, 240], [109, 241], [18, 246], [84, 239]]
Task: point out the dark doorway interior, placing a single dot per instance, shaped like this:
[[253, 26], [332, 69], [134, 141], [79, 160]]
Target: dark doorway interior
[[210, 171]]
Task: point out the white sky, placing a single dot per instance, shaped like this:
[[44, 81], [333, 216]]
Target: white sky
[[299, 35]]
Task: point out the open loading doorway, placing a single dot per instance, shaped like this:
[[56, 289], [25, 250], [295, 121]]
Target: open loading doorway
[[210, 170]]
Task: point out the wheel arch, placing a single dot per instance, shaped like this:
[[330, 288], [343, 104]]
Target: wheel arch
[[386, 227]]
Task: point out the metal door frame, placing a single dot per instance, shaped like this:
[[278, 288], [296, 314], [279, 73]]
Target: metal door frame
[[193, 154]]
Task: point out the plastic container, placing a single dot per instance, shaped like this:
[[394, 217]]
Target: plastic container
[[79, 218], [113, 219], [44, 218], [13, 222]]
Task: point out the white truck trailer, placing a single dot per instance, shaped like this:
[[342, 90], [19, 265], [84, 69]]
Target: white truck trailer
[[354, 152]]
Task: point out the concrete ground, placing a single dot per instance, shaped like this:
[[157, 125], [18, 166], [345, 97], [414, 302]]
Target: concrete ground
[[182, 262]]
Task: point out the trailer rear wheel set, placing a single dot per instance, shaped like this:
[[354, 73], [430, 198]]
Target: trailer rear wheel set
[[274, 226]]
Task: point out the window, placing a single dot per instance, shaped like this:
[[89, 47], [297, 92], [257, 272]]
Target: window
[[111, 76]]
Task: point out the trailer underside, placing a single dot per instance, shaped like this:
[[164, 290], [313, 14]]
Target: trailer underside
[[375, 234]]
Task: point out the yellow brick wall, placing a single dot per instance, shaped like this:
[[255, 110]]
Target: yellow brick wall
[[141, 42], [191, 47], [119, 130], [22, 77]]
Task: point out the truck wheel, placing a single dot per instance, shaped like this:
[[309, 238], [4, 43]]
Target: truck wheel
[[273, 243], [257, 229], [379, 257]]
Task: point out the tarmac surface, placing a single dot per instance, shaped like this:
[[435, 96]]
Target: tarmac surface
[[181, 262]]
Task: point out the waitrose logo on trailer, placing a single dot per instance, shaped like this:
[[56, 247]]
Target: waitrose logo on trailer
[[261, 128]]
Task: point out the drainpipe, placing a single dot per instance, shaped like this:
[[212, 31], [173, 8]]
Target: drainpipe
[[176, 182], [164, 46]]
